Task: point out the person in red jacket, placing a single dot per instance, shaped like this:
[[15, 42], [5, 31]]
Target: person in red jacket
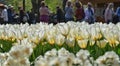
[[79, 12]]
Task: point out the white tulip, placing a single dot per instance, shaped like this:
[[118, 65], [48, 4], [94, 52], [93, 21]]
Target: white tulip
[[70, 42], [3, 58], [109, 58], [20, 51], [59, 40], [83, 55], [17, 62]]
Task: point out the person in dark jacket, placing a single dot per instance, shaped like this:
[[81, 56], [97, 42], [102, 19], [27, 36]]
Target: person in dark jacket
[[21, 14], [59, 14], [10, 13], [32, 19], [79, 12]]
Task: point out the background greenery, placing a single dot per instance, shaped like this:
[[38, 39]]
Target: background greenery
[[53, 3], [18, 3]]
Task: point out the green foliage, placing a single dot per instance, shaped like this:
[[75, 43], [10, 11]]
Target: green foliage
[[19, 3], [41, 48], [53, 3], [5, 45], [94, 50], [28, 5]]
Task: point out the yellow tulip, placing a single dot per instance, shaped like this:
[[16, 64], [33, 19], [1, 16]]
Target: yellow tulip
[[11, 38], [79, 37], [2, 37], [97, 37], [113, 42], [82, 43], [5, 38], [101, 43], [91, 42], [35, 40], [51, 41], [25, 35]]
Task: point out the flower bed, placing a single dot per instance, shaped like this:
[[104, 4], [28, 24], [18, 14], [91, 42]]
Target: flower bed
[[28, 44]]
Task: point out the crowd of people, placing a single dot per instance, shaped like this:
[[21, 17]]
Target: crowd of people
[[8, 15], [71, 12], [77, 12]]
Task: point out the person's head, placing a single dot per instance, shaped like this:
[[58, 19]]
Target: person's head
[[110, 5], [20, 8], [43, 3], [9, 6], [12, 7], [69, 3], [77, 4], [5, 7], [89, 4], [2, 7]]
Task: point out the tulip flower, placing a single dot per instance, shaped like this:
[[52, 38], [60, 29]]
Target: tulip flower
[[102, 43], [82, 43]]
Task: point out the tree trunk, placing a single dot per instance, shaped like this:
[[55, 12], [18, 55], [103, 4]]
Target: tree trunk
[[24, 5], [36, 5], [64, 4]]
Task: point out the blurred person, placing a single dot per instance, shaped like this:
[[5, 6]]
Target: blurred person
[[16, 18], [28, 16], [79, 12], [109, 13], [1, 8], [44, 13], [69, 13], [118, 13], [105, 6], [115, 19], [32, 19], [10, 13], [53, 18], [25, 17], [64, 4], [89, 14], [4, 14], [21, 14], [59, 14]]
